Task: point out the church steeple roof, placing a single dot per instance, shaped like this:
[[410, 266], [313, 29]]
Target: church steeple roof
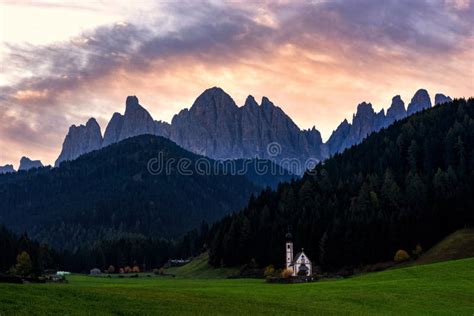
[[288, 235]]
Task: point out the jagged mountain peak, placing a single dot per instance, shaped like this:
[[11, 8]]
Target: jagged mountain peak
[[117, 115], [80, 140], [313, 130], [396, 111], [250, 102], [136, 120], [7, 169], [344, 123], [266, 102], [131, 100], [213, 99], [366, 120], [421, 96], [441, 98], [397, 103], [27, 164], [338, 137], [420, 101], [215, 91], [314, 133], [132, 105], [421, 93], [363, 109], [92, 122]]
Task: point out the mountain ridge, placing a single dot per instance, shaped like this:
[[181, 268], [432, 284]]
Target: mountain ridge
[[214, 126]]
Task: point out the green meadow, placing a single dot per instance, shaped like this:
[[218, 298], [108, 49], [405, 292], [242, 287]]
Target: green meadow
[[434, 289]]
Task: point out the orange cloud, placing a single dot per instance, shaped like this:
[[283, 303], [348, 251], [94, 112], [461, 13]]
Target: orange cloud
[[30, 95]]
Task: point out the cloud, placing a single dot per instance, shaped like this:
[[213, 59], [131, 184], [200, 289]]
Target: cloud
[[216, 33], [350, 43]]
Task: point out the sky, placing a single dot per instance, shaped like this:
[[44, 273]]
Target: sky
[[62, 62]]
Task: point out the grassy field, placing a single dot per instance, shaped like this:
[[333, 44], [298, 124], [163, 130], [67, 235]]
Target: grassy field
[[200, 269], [441, 288]]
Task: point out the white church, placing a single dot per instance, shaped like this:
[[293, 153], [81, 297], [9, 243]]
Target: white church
[[300, 264]]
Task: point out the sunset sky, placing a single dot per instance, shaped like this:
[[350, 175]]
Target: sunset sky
[[65, 61]]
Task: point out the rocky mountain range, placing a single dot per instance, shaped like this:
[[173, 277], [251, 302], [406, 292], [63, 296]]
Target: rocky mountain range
[[6, 169], [216, 127], [367, 121], [27, 164]]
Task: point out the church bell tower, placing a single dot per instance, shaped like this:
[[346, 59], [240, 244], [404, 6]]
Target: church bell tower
[[289, 249]]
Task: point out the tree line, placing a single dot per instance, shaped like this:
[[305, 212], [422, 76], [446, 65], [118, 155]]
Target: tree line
[[407, 185], [120, 251], [21, 255]]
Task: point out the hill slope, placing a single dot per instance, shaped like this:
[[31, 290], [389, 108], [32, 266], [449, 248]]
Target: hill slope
[[111, 192], [199, 268], [437, 289], [458, 245], [410, 183]]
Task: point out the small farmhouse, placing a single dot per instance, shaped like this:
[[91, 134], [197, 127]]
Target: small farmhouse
[[300, 264], [95, 271]]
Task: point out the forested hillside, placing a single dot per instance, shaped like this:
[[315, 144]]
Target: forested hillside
[[41, 256], [110, 193], [409, 184]]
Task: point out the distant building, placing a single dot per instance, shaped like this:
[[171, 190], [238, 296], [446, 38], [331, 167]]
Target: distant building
[[95, 271], [176, 263], [62, 273], [300, 264]]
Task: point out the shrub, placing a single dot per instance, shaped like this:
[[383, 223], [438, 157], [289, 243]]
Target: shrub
[[302, 273], [269, 271], [23, 265], [316, 270], [417, 251], [401, 256], [287, 273], [111, 269]]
